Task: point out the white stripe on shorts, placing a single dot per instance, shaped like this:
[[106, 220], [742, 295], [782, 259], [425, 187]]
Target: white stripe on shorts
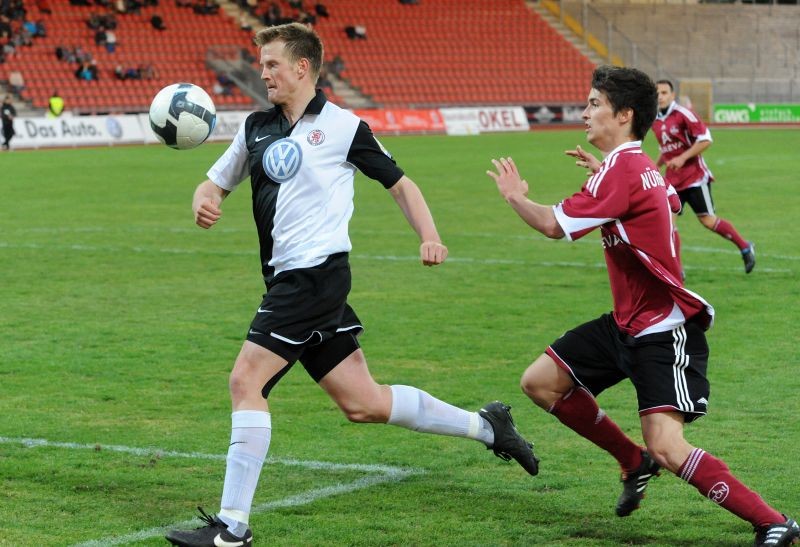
[[683, 397]]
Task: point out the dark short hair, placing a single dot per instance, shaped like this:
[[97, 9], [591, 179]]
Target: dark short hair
[[666, 82], [300, 42], [629, 88]]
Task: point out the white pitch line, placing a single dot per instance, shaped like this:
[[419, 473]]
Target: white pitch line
[[408, 258], [378, 474]]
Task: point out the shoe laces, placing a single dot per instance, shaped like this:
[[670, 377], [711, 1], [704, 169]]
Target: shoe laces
[[210, 520]]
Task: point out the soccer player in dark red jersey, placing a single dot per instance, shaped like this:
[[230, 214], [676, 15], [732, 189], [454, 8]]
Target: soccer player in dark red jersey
[[682, 138], [655, 335]]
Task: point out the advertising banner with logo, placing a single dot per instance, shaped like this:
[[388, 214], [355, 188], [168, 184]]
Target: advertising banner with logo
[[548, 114], [489, 119], [402, 120], [756, 113], [227, 125], [77, 131]]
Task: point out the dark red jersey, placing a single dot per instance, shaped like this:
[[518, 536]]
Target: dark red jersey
[[628, 200], [676, 131]]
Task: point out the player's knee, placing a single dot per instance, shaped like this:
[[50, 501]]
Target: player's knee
[[666, 452], [237, 385], [541, 385]]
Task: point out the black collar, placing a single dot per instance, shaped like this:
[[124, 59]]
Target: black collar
[[314, 106]]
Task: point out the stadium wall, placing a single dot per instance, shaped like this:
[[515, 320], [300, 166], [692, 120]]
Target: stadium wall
[[78, 131]]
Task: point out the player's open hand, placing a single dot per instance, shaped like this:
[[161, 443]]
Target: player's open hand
[[206, 213], [585, 159], [432, 253], [507, 178]]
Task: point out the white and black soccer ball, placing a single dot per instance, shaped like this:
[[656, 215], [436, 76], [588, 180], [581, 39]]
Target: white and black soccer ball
[[182, 116]]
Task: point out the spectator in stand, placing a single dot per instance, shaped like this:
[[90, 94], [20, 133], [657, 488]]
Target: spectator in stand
[[273, 15], [323, 82], [7, 113], [109, 20], [336, 66], [147, 72], [682, 137], [84, 72], [356, 32], [244, 22], [30, 26], [119, 72], [100, 37], [9, 50], [306, 18], [5, 26], [111, 41], [223, 85], [206, 7], [183, 3], [94, 22], [321, 10], [16, 82], [41, 30], [158, 22], [55, 105]]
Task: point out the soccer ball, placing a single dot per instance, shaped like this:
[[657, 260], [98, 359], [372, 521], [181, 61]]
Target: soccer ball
[[182, 116]]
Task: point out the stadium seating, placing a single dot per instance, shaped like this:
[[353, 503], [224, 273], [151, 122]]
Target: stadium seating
[[434, 53], [176, 54], [454, 52]]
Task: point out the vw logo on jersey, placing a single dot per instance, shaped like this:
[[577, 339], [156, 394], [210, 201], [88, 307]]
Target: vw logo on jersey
[[282, 160]]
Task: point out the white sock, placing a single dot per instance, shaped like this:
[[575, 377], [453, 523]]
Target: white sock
[[415, 409], [250, 435]]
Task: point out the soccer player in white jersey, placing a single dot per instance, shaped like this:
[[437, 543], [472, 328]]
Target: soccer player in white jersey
[[655, 335], [301, 157], [682, 138]]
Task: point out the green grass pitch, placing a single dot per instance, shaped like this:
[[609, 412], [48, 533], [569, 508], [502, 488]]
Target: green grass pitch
[[120, 320]]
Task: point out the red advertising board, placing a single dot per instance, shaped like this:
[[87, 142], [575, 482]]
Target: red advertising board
[[402, 120]]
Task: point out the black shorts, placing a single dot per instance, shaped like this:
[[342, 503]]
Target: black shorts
[[668, 369], [305, 316], [699, 199]]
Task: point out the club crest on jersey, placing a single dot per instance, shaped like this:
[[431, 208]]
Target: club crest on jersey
[[282, 159], [315, 137]]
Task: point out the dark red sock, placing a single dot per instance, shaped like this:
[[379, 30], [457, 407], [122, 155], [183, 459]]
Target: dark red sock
[[713, 479], [726, 230], [578, 410]]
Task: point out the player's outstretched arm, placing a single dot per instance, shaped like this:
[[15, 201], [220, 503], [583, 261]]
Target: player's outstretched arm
[[409, 197], [515, 191], [206, 203], [585, 159]]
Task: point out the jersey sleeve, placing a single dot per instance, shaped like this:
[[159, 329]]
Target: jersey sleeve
[[675, 204], [697, 129], [372, 159], [601, 200], [232, 167]]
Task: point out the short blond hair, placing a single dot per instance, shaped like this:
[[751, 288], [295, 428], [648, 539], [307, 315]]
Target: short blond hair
[[300, 42]]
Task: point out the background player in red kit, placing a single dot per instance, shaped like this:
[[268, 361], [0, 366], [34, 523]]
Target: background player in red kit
[[682, 138], [655, 335]]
